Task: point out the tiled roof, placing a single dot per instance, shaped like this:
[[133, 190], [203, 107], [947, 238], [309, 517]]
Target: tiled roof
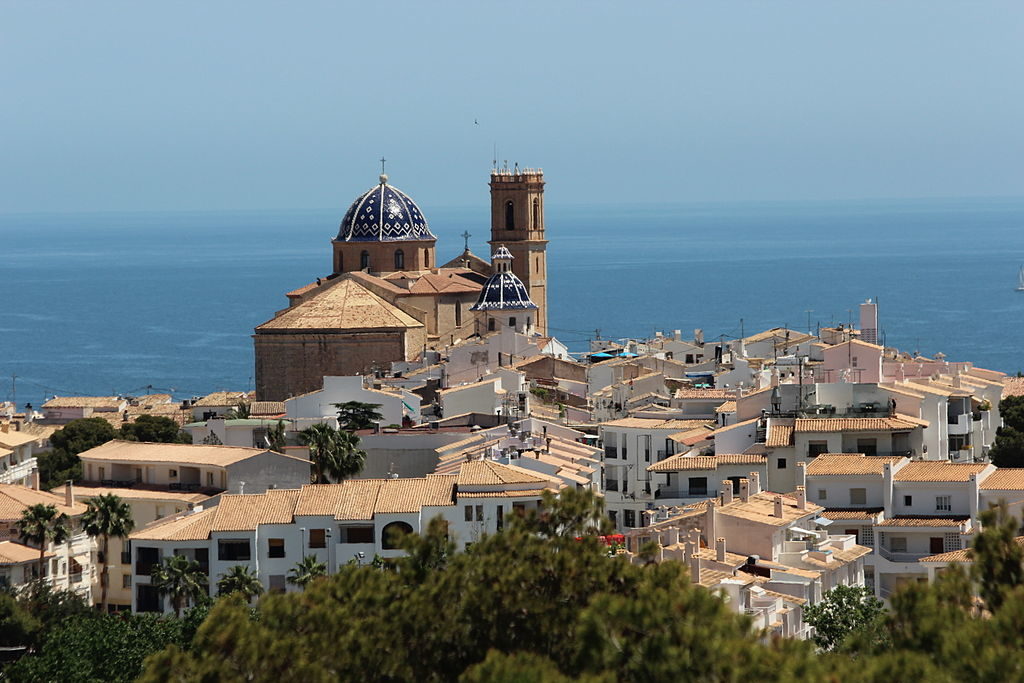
[[779, 436], [444, 283], [257, 408], [83, 491], [728, 428], [851, 424], [937, 471], [112, 402], [849, 463], [683, 462], [13, 439], [777, 333], [691, 437], [837, 514], [900, 389], [1013, 386], [656, 423], [246, 511], [452, 390], [343, 306], [16, 553], [486, 473], [409, 495], [727, 407], [524, 493], [965, 555], [14, 499], [1005, 479], [357, 499], [760, 508], [221, 399], [909, 521], [193, 526], [195, 454], [724, 394]]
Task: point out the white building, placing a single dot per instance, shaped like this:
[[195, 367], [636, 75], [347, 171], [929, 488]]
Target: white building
[[398, 406]]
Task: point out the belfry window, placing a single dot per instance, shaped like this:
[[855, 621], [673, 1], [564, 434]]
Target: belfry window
[[511, 322], [458, 314], [490, 324], [364, 260], [536, 214], [426, 258], [399, 259], [510, 215]]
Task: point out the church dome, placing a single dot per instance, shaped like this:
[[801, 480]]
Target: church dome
[[384, 214], [503, 291]]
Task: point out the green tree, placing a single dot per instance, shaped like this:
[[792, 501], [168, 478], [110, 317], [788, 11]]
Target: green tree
[[1008, 447], [349, 457], [335, 455], [842, 612], [239, 412], [154, 429], [239, 579], [41, 524], [276, 437], [305, 571], [62, 463], [107, 515], [355, 415], [1011, 409], [17, 625], [179, 578], [998, 565]]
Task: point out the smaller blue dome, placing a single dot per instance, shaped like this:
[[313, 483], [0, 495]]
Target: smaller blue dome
[[503, 291], [384, 214]]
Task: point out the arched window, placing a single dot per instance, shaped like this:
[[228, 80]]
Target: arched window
[[458, 314], [490, 324], [364, 260], [511, 322], [392, 534], [510, 215], [399, 259], [426, 258], [536, 214]]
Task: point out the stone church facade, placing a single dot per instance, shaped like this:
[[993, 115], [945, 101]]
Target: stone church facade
[[386, 298]]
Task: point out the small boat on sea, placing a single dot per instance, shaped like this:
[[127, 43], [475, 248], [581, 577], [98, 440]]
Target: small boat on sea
[[1020, 280]]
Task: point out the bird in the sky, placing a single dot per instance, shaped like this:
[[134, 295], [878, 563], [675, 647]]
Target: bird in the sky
[[475, 122]]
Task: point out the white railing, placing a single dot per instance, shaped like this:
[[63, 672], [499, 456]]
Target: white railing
[[900, 556], [15, 473]]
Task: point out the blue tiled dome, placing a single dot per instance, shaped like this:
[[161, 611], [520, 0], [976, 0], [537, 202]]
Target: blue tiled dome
[[384, 214], [503, 291]]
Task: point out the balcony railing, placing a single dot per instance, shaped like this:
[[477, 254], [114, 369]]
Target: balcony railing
[[900, 556], [17, 472]]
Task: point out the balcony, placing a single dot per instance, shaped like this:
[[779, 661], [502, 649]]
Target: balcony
[[17, 473], [900, 556], [959, 424]]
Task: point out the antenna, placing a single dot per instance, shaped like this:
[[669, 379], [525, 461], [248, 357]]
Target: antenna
[[494, 159]]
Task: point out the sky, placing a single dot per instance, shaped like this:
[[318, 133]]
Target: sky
[[131, 106]]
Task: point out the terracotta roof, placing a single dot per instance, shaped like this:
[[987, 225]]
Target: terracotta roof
[[724, 394], [656, 423], [524, 493], [192, 526], [13, 439], [735, 426], [14, 499], [1005, 479], [83, 491], [852, 424], [409, 495], [849, 463], [487, 473], [908, 521], [965, 555], [779, 436], [244, 512], [356, 501], [727, 407], [857, 342], [267, 408], [691, 437], [490, 380], [343, 306], [450, 283], [112, 402], [16, 553], [760, 508], [937, 471], [683, 462], [194, 454], [837, 514], [777, 333], [900, 389], [1013, 386], [222, 399]]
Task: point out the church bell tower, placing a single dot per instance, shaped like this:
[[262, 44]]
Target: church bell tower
[[517, 222]]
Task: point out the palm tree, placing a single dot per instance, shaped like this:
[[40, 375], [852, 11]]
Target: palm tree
[[350, 459], [275, 437], [40, 524], [322, 440], [239, 412], [179, 578], [107, 515], [304, 572], [239, 579]]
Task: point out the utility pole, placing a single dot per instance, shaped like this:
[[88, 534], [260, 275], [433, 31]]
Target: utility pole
[[14, 391]]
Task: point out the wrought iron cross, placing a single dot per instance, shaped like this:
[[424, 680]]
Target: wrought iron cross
[[382, 160], [465, 235]]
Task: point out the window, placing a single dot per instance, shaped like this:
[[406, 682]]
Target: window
[[817, 448], [512, 321], [867, 537], [613, 516], [479, 513], [392, 534], [858, 496], [126, 581], [209, 479], [469, 513], [233, 550], [277, 583], [426, 258], [275, 547], [318, 538], [898, 544], [853, 361], [458, 314], [781, 463], [126, 557], [399, 259], [364, 260], [629, 518], [935, 545], [357, 534], [646, 439], [943, 503], [536, 215], [735, 484], [138, 475], [173, 474], [855, 533], [867, 446], [908, 500], [698, 486], [822, 494], [510, 215], [490, 324]]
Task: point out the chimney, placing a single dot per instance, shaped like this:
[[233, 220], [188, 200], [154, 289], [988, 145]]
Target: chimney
[[710, 522], [726, 491], [755, 483], [671, 537], [35, 478], [69, 493], [744, 490], [778, 506], [720, 549], [801, 474], [801, 497], [693, 559], [241, 487]]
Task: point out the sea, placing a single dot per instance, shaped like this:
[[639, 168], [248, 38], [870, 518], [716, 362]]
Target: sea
[[143, 302]]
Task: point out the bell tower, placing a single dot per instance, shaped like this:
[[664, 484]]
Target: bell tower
[[517, 222]]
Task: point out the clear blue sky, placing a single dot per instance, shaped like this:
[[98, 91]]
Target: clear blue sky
[[210, 105]]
